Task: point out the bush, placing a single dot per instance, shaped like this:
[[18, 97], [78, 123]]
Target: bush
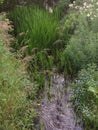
[[82, 47], [85, 96], [67, 27]]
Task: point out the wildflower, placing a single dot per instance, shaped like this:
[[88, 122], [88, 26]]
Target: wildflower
[[74, 2], [92, 18], [50, 10], [88, 15], [97, 3], [85, 4], [76, 7], [80, 8], [70, 5]]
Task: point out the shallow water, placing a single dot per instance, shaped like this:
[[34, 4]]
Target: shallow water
[[56, 108]]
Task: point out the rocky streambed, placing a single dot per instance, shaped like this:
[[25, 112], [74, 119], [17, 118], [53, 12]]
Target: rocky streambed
[[56, 108]]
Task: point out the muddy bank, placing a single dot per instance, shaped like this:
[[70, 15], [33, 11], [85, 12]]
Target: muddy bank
[[56, 108]]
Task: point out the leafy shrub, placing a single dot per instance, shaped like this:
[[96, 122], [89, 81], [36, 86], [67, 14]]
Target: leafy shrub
[[85, 96], [82, 47], [67, 27]]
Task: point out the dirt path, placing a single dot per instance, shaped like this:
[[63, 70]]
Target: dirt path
[[56, 109]]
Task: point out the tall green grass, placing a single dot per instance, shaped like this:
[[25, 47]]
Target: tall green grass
[[37, 29], [34, 27]]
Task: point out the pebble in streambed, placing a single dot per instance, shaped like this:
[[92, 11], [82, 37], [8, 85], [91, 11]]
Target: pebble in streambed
[[57, 113]]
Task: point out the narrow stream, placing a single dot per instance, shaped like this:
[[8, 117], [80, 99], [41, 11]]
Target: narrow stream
[[56, 108]]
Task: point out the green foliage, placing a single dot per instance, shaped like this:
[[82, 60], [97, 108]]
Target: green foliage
[[16, 111], [81, 50], [36, 29], [67, 27], [39, 28], [40, 67], [85, 96], [40, 41], [82, 47], [63, 3]]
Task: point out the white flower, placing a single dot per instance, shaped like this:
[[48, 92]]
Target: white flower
[[80, 8], [70, 5], [50, 10], [84, 3], [87, 6], [92, 18], [74, 2], [76, 7], [88, 15]]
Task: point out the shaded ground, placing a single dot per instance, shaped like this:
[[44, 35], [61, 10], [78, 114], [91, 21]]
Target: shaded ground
[[56, 109]]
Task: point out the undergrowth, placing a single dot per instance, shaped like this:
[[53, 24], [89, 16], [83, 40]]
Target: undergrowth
[[37, 41], [16, 109], [83, 45], [80, 57], [69, 44], [85, 97]]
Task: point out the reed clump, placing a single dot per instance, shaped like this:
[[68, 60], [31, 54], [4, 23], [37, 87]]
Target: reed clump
[[34, 27]]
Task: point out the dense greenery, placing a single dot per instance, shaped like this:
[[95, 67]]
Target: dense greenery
[[16, 110], [34, 27], [66, 41], [81, 53], [82, 47], [86, 96]]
